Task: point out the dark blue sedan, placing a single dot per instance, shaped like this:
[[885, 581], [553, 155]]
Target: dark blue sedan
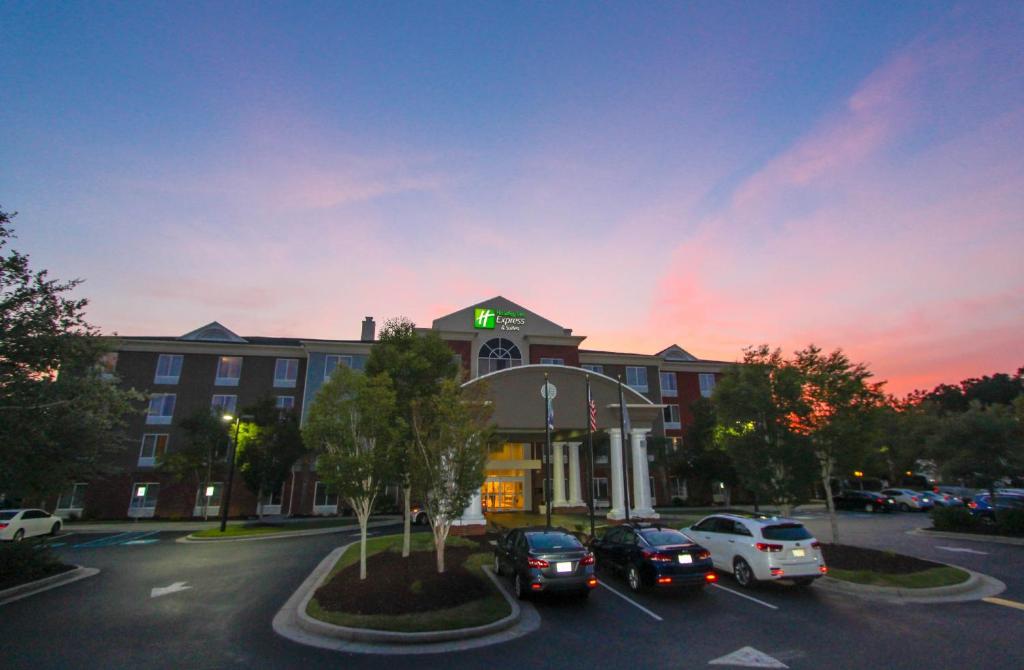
[[652, 556]]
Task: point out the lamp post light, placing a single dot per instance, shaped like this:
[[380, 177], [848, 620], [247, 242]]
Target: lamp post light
[[226, 499]]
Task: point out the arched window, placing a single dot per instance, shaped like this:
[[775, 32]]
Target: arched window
[[498, 354]]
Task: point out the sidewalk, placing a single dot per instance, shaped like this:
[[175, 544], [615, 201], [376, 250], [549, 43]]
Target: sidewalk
[[198, 524]]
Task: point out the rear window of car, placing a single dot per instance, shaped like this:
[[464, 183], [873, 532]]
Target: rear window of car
[[553, 541], [4, 516], [786, 531], [662, 537]]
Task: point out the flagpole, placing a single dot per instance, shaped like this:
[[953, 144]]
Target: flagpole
[[590, 454], [547, 451], [625, 452]]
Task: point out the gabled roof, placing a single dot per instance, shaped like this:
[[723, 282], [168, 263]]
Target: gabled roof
[[675, 353], [213, 332], [462, 320]]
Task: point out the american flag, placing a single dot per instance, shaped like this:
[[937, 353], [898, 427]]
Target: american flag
[[593, 411]]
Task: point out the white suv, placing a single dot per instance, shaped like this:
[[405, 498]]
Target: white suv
[[756, 547]]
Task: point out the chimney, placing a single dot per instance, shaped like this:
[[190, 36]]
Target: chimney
[[369, 329]]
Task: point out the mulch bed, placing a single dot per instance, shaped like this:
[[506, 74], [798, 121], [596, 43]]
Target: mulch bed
[[396, 585], [10, 581], [845, 557]]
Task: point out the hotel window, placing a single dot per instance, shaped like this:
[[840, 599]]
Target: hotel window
[[552, 361], [286, 371], [599, 369], [499, 354], [73, 499], [636, 378], [153, 447], [229, 369], [672, 416], [108, 365], [168, 369], [285, 402], [600, 488], [668, 384], [707, 384], [324, 498], [331, 361], [161, 408], [144, 504], [223, 404]]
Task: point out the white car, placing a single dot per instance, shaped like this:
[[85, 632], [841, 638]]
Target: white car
[[756, 547], [17, 524], [907, 500]]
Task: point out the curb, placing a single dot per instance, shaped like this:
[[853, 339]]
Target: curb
[[45, 584], [294, 623], [976, 587], [971, 537], [188, 539]]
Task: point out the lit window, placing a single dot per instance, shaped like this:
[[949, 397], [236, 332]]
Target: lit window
[[285, 402], [707, 384], [331, 361], [668, 384], [161, 408], [223, 404], [154, 445], [168, 369], [286, 371], [636, 378], [671, 416], [552, 361], [229, 370], [144, 497], [599, 369]]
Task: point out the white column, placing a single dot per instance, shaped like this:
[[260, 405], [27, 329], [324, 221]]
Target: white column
[[618, 508], [558, 473], [473, 515], [575, 497], [641, 476]]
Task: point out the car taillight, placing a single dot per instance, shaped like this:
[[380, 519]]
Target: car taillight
[[587, 560], [3, 525], [764, 546], [824, 569], [664, 580], [972, 505], [815, 545], [703, 555], [537, 562], [656, 556], [914, 498], [777, 572], [711, 577]]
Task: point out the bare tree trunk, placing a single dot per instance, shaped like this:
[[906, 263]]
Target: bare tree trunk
[[830, 505], [364, 518], [259, 502], [407, 523], [440, 529]]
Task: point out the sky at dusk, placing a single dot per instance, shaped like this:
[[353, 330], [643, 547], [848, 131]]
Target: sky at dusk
[[714, 175]]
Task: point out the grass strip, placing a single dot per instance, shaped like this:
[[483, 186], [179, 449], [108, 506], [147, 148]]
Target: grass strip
[[250, 528], [944, 576]]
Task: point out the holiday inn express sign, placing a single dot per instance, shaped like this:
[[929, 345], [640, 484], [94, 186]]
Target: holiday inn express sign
[[485, 318]]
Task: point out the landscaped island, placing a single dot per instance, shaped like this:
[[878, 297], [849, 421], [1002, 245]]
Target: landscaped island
[[886, 568]]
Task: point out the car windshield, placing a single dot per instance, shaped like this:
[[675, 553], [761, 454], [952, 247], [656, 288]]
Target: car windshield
[[663, 536], [4, 516], [786, 531], [553, 541]]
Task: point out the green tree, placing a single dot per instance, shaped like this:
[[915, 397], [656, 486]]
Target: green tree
[[838, 411], [701, 455], [416, 363], [755, 403], [198, 459], [60, 418], [268, 447], [350, 426], [454, 435]]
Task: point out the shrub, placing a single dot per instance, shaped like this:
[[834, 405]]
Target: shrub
[[677, 501], [22, 562], [1011, 521], [953, 519]]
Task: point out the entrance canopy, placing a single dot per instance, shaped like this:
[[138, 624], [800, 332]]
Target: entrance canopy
[[519, 408]]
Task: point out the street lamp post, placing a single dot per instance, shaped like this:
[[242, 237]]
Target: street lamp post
[[226, 501]]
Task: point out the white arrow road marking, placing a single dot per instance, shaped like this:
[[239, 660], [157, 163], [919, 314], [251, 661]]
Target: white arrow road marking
[[164, 590], [748, 657], [964, 551]]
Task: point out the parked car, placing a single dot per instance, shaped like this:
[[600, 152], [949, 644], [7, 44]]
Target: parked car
[[653, 556], [942, 499], [17, 524], [982, 505], [541, 559], [756, 547], [418, 515], [907, 500], [869, 501]]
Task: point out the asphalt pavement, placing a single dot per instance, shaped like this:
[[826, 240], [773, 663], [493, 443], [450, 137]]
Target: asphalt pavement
[[215, 602]]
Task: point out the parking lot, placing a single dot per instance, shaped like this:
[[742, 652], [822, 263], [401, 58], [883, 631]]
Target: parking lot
[[161, 603]]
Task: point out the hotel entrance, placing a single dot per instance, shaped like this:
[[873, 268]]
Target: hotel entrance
[[509, 473], [504, 494]]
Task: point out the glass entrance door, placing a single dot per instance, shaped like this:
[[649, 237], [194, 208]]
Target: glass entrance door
[[503, 494]]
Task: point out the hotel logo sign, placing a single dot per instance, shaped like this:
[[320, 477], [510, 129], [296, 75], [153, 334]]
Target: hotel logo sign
[[485, 318]]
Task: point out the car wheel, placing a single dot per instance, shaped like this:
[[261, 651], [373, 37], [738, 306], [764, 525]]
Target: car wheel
[[804, 582], [55, 529], [743, 573], [517, 587], [497, 565], [633, 576], [19, 535], [869, 507], [904, 507]]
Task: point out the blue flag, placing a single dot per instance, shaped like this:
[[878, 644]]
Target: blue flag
[[551, 415]]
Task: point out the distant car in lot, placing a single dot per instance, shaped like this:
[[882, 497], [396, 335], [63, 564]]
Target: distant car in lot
[[868, 501], [942, 499], [418, 515], [982, 505], [908, 500], [653, 556], [18, 524], [756, 547], [542, 560]]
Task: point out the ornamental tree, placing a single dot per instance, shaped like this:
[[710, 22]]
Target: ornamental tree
[[268, 447], [198, 458]]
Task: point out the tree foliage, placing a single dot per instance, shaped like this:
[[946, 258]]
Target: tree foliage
[[268, 446], [60, 420], [198, 459]]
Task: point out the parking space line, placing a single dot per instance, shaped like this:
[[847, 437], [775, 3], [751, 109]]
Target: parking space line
[[1005, 603], [744, 595], [632, 602]]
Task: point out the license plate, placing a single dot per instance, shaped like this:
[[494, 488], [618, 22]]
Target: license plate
[[798, 553], [564, 566], [685, 558]]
